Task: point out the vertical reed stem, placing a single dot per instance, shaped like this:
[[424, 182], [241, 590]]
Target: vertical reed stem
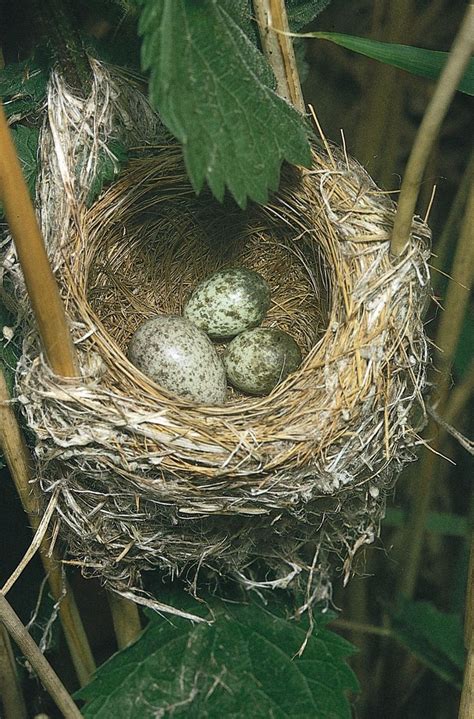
[[273, 26], [11, 696], [39, 278], [452, 73], [42, 667], [125, 618], [466, 710]]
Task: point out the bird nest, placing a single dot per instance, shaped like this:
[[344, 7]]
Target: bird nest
[[274, 490]]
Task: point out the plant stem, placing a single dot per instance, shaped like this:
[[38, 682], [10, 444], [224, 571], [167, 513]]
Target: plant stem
[[39, 278], [42, 667], [447, 338], [56, 23], [20, 465], [278, 48], [460, 396], [452, 223], [466, 710], [10, 690], [361, 628], [445, 89], [125, 618]]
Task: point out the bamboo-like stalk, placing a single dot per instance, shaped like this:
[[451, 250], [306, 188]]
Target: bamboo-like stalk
[[446, 340], [124, 619], [19, 463], [460, 396], [42, 288], [452, 221], [466, 710], [10, 690], [452, 73], [277, 45], [42, 667], [39, 278]]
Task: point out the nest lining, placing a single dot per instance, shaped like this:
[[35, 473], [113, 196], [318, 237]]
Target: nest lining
[[296, 480]]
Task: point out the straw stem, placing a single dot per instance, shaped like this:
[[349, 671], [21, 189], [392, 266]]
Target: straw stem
[[466, 710], [277, 46], [11, 695], [125, 618], [42, 667], [428, 131], [40, 282]]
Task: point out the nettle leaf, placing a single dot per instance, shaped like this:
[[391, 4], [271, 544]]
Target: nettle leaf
[[242, 665], [22, 88], [417, 60], [211, 86], [435, 637], [302, 12]]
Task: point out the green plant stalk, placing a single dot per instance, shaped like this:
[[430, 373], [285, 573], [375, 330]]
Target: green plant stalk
[[452, 222], [125, 618], [446, 340], [41, 666], [277, 45], [453, 71], [10, 690], [56, 23], [466, 710]]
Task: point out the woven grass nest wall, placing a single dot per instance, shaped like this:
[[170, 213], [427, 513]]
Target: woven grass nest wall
[[274, 490]]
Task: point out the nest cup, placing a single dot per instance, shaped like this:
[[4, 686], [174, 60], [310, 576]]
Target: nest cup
[[276, 490]]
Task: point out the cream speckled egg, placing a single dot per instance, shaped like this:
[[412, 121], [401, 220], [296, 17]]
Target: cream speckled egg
[[258, 359], [177, 355], [229, 302]]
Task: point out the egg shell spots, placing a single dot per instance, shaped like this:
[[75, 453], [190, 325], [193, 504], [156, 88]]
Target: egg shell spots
[[258, 359], [177, 355], [229, 302]]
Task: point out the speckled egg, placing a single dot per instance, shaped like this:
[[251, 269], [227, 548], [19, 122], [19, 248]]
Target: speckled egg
[[229, 302], [258, 359], [177, 355]]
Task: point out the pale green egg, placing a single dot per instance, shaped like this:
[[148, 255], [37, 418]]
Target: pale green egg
[[177, 355], [258, 359], [228, 302]]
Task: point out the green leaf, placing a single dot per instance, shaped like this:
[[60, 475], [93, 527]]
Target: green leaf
[[417, 60], [241, 666], [22, 87], [214, 92], [434, 637], [109, 164], [302, 12]]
